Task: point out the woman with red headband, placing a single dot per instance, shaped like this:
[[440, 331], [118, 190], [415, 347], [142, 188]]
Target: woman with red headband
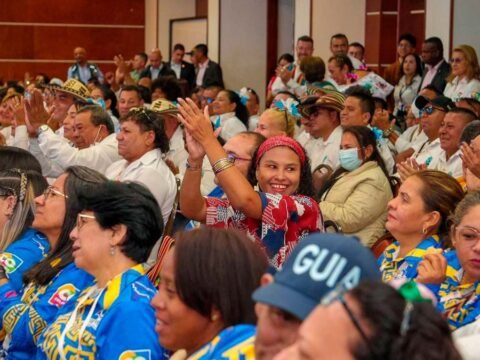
[[277, 216]]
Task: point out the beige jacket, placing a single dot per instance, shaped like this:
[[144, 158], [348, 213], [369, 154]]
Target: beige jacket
[[358, 202]]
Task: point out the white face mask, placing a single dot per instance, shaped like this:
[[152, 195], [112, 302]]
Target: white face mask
[[349, 159], [96, 136]]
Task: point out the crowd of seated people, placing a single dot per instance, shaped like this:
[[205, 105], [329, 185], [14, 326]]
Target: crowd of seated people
[[156, 213]]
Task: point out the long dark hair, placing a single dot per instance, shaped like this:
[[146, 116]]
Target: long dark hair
[[199, 254], [241, 111], [425, 334], [365, 137], [61, 255]]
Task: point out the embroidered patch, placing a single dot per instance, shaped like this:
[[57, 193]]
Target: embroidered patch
[[143, 354], [10, 262], [63, 294]]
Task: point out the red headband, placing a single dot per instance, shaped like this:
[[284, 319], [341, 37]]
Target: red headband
[[281, 141]]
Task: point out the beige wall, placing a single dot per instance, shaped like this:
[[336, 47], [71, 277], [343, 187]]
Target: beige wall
[[168, 10], [466, 26], [437, 22], [243, 44], [338, 16]]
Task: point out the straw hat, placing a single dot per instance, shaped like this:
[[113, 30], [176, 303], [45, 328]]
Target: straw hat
[[75, 88], [163, 106]]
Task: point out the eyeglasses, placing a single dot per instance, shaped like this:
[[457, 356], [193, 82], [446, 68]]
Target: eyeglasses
[[52, 191], [207, 99], [356, 323], [141, 111], [81, 220], [430, 109], [468, 234], [234, 157], [455, 60]]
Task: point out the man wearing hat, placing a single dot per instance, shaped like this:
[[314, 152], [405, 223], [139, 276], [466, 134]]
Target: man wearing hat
[[323, 133], [93, 127], [177, 154], [443, 124], [321, 266]]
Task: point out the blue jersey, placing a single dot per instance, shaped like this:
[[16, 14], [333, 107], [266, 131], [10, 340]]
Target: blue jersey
[[22, 255], [393, 267], [116, 322], [233, 343], [459, 303], [25, 316]]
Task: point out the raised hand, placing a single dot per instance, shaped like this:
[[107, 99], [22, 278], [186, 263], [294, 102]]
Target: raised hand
[[35, 110], [197, 123], [471, 159], [432, 269], [409, 167]]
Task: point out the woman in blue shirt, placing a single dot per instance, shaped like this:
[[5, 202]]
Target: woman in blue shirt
[[112, 319], [456, 273], [20, 246], [417, 218], [55, 280]]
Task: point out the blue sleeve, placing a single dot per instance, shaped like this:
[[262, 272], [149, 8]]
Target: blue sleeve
[[20, 257], [25, 322], [128, 332]]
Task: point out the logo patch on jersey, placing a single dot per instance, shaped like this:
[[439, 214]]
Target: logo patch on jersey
[[10, 262], [63, 295], [143, 354]]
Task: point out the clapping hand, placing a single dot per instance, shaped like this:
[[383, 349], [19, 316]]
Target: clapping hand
[[409, 167], [471, 159]]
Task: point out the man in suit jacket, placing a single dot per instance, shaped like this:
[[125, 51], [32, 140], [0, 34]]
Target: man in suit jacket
[[209, 73], [157, 67], [183, 70], [436, 68]]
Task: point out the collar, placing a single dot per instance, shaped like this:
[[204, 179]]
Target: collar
[[146, 159], [435, 67], [204, 65], [336, 133]]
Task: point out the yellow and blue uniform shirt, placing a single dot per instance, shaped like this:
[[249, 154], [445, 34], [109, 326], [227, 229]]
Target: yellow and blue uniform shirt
[[22, 255], [233, 343], [393, 267], [24, 316], [459, 303], [116, 322]]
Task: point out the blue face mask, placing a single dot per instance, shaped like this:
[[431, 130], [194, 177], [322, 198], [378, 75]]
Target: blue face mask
[[349, 159]]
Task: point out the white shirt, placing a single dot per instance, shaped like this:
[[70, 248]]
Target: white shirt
[[230, 124], [413, 136], [177, 153], [151, 171], [292, 85], [461, 88], [452, 166], [98, 156], [427, 152], [404, 94], [20, 139], [323, 151], [252, 122], [386, 154], [177, 68], [201, 72]]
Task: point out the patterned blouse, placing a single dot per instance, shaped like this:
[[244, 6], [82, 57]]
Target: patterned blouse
[[285, 221]]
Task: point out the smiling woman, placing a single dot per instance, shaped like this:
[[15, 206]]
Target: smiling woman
[[278, 216]]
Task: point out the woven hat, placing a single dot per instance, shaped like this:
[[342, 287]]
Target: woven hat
[[163, 106], [75, 88], [332, 101], [11, 95]]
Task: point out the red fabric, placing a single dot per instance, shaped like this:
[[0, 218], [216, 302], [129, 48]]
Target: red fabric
[[285, 221], [281, 140]]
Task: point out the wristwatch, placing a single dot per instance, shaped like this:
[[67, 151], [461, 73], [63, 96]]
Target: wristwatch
[[388, 132], [42, 128]]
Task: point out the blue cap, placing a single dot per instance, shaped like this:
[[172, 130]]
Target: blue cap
[[320, 264]]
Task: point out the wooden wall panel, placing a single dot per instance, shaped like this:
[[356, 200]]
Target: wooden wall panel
[[42, 36], [129, 12]]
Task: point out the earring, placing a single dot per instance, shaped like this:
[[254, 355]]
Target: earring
[[424, 230], [214, 317], [112, 250]]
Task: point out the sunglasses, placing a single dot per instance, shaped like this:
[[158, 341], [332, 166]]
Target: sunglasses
[[430, 109]]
